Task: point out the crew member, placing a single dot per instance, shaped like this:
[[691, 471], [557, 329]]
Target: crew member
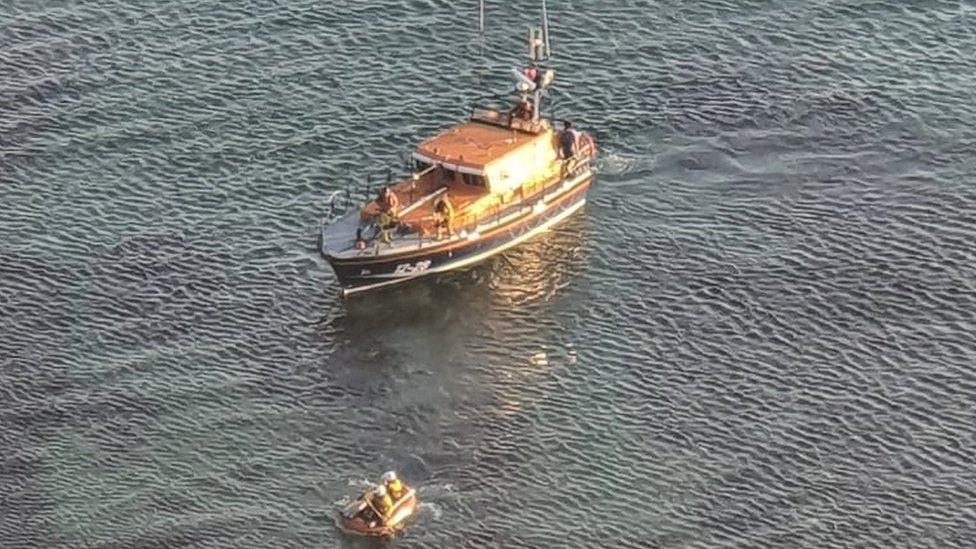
[[388, 201], [393, 485], [443, 216], [531, 73], [388, 205], [382, 502], [567, 140], [365, 510]]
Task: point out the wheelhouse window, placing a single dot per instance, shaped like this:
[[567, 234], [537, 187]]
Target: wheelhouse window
[[474, 180], [419, 166], [446, 175]]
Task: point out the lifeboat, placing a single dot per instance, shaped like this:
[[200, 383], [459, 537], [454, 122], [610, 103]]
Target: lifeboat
[[476, 189], [353, 521]]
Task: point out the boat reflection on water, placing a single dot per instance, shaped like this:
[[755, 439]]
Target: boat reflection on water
[[534, 271], [443, 319], [540, 269]]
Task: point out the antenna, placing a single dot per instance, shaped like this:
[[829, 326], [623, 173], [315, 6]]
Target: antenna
[[545, 29], [481, 16], [539, 38], [537, 46], [481, 40]]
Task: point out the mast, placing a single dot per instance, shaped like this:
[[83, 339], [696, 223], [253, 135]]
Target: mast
[[539, 51]]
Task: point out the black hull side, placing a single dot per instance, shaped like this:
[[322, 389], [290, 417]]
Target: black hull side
[[367, 272]]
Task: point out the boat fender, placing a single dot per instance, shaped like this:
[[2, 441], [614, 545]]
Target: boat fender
[[588, 143]]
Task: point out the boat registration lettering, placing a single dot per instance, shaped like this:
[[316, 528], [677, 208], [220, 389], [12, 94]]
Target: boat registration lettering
[[412, 268]]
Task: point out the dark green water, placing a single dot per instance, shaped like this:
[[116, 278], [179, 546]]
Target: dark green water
[[759, 333]]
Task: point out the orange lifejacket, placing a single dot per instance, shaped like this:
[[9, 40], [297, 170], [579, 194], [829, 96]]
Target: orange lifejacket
[[383, 504]]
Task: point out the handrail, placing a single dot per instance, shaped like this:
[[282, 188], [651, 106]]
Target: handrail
[[416, 204], [466, 220], [331, 202]]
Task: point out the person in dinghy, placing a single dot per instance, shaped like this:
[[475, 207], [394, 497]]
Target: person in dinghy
[[382, 510]]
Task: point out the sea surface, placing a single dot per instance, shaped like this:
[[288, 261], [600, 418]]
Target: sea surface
[[760, 333]]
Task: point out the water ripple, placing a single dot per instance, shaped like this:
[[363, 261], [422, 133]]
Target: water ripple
[[759, 333]]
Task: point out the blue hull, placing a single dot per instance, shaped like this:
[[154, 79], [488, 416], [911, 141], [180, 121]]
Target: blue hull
[[363, 273]]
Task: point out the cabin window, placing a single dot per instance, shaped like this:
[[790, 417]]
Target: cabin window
[[474, 180], [419, 166], [446, 175]]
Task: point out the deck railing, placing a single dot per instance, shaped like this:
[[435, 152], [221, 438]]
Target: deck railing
[[342, 200]]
